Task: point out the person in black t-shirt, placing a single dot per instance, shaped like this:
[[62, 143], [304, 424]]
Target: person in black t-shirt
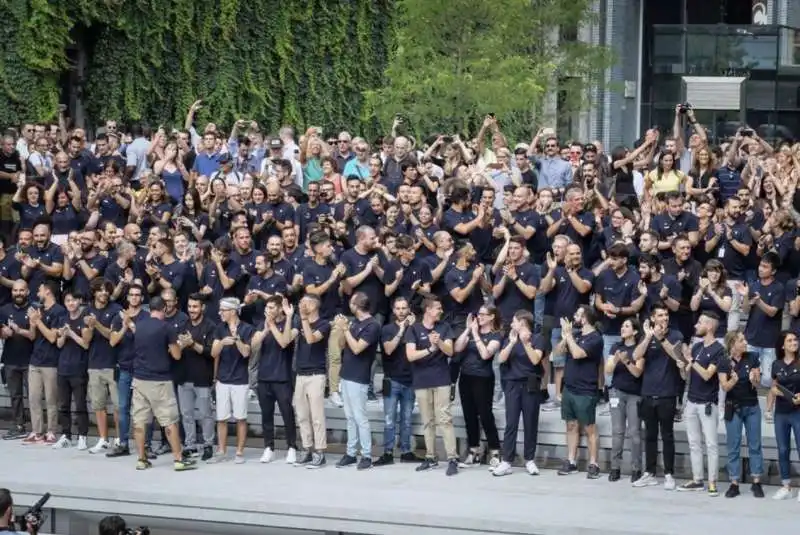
[[17, 349]]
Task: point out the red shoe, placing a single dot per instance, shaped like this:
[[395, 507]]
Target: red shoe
[[32, 438], [50, 439]]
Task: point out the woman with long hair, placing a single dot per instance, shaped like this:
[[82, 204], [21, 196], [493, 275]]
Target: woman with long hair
[[190, 216], [741, 410], [171, 170], [624, 396], [521, 371], [477, 347], [27, 201], [702, 179], [786, 389], [713, 294], [665, 177]]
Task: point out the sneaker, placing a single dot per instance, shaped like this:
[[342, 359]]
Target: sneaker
[[678, 415], [692, 486], [410, 457], [149, 453], [567, 468], [502, 469], [784, 493], [712, 489], [267, 456], [592, 471], [733, 491], [50, 439], [614, 475], [452, 467], [346, 460], [552, 406], [757, 491], [189, 452], [336, 399], [62, 443], [371, 397], [163, 449], [208, 452], [317, 461], [384, 460], [119, 451], [531, 467], [305, 458], [183, 465], [239, 458], [218, 457], [470, 460], [364, 464], [646, 480], [82, 445], [143, 464], [100, 446], [32, 438], [427, 464], [669, 482], [494, 460], [291, 456], [636, 475], [15, 433]]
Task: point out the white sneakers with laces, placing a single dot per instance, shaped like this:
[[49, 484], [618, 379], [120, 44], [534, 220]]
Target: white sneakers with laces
[[531, 467], [783, 494], [62, 443], [647, 480], [267, 456], [291, 456], [100, 446], [502, 469], [669, 482], [82, 445]]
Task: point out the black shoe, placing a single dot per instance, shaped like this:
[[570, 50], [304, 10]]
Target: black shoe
[[733, 491], [636, 475], [567, 468], [364, 464], [410, 457], [384, 460], [593, 472], [148, 452], [692, 486], [15, 433], [346, 460], [757, 491], [452, 467], [208, 452], [371, 396], [163, 449], [304, 458], [614, 475], [119, 451], [427, 464], [317, 461]]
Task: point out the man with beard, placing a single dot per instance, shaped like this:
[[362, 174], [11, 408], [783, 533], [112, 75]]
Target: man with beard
[[17, 349], [660, 288], [122, 338], [84, 265], [11, 169], [274, 342], [220, 276], [364, 269], [243, 253], [279, 214], [673, 222], [516, 281], [121, 272], [43, 261], [63, 173], [168, 273], [194, 376], [410, 275], [687, 271], [102, 360], [277, 258], [265, 284], [309, 211], [42, 374], [459, 220]]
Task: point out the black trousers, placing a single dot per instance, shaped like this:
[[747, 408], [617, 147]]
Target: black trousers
[[270, 393], [520, 402], [476, 401], [16, 377], [69, 389], [658, 415]]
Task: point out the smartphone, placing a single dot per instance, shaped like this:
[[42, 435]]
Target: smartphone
[[491, 115]]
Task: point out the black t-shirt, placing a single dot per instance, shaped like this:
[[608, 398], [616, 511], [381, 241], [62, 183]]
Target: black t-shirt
[[101, 355], [356, 368], [233, 366], [317, 275], [700, 390], [17, 349], [45, 354], [73, 360], [788, 376], [518, 366], [432, 370], [512, 298], [152, 360], [581, 375], [622, 379], [126, 348], [9, 163], [661, 377], [372, 286], [395, 364], [743, 392], [312, 359], [275, 363], [471, 361], [193, 367]]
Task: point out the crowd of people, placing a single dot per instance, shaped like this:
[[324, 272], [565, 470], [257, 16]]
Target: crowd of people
[[173, 274]]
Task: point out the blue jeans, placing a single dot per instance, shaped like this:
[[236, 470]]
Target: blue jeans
[[785, 425], [766, 356], [354, 396], [748, 418], [402, 397], [538, 303], [124, 385], [558, 360], [608, 342]]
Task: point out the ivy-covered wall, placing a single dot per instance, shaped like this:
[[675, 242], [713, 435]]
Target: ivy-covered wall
[[300, 62]]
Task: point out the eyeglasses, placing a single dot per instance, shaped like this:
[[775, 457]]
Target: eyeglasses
[[551, 146]]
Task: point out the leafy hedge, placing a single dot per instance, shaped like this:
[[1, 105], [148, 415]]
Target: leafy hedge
[[300, 62]]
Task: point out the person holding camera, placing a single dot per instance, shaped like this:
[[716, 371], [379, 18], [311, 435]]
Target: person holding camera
[[6, 511]]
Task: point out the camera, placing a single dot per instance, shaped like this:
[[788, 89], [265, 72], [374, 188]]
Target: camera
[[748, 132], [684, 107], [141, 530], [32, 518], [447, 139]]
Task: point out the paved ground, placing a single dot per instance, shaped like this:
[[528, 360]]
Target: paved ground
[[381, 501]]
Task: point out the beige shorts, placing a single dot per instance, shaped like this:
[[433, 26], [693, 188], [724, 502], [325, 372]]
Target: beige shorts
[[154, 398], [101, 387]]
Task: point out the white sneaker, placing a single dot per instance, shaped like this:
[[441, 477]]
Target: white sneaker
[[552, 406], [267, 456], [782, 494], [647, 480], [503, 469], [82, 446], [336, 399], [291, 456], [62, 443], [117, 443], [100, 446], [669, 482], [532, 469]]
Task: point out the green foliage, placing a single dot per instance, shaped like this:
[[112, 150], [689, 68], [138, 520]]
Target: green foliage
[[300, 62], [458, 60]]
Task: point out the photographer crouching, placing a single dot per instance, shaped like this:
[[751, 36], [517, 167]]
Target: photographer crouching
[[29, 522]]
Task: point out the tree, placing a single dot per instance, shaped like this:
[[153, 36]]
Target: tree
[[457, 60]]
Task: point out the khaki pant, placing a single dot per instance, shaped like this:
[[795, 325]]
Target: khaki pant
[[102, 386], [309, 406], [434, 406], [334, 358], [43, 382], [154, 398]]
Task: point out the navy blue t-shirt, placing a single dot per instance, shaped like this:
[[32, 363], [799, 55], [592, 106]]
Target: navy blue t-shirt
[[566, 295], [661, 377], [73, 360], [275, 362], [126, 348], [312, 359], [707, 303], [432, 370], [665, 225], [743, 393], [581, 375], [620, 292], [395, 364], [700, 390], [512, 299], [45, 354], [471, 362], [372, 286], [356, 368], [518, 366], [101, 355], [459, 279], [622, 379], [316, 275], [17, 349], [762, 330], [232, 367], [152, 360], [788, 376], [79, 281]]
